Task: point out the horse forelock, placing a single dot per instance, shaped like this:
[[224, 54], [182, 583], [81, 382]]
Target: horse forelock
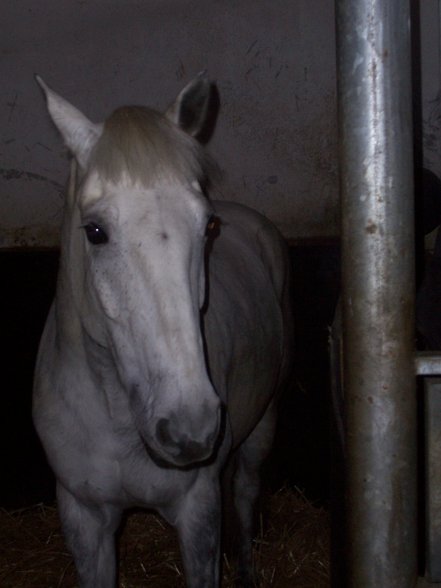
[[143, 146]]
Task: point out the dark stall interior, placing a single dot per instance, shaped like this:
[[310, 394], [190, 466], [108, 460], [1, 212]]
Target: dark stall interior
[[28, 287]]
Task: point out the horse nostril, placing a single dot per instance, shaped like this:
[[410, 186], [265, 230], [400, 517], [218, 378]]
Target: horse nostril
[[164, 436]]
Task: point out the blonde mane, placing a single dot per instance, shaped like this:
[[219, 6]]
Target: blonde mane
[[143, 145]]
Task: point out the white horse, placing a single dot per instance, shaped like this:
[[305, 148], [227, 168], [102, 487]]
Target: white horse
[[167, 342]]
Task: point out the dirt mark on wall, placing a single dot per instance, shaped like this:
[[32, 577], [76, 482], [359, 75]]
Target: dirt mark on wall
[[18, 174]]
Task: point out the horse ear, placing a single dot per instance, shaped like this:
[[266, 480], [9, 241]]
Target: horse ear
[[78, 132], [190, 109]]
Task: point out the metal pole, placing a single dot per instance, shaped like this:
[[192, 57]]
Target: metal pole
[[375, 125]]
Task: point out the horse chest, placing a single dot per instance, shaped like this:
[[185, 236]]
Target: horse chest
[[109, 463]]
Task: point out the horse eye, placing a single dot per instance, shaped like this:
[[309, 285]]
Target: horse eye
[[95, 234], [211, 224]]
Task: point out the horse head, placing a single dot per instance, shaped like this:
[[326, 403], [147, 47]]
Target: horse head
[[133, 264]]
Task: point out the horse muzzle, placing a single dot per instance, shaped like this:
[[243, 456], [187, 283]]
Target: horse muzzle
[[180, 440]]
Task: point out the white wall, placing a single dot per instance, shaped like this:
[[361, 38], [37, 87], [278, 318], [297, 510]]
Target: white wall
[[274, 65]]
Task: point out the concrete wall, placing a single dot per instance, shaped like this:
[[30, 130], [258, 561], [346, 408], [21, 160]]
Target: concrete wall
[[274, 65]]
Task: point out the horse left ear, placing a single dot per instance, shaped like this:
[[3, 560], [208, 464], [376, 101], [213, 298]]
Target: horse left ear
[[190, 109]]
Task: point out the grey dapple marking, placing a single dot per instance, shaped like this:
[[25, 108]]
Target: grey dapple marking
[[165, 348]]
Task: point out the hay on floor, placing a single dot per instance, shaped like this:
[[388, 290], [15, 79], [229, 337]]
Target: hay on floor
[[292, 549]]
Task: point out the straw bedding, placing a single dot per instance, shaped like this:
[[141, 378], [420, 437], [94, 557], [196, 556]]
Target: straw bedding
[[291, 549]]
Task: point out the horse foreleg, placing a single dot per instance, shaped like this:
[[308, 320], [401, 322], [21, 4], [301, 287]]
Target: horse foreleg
[[198, 526], [246, 489], [89, 534]]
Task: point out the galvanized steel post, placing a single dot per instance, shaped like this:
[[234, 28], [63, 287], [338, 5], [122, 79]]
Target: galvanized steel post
[[375, 126]]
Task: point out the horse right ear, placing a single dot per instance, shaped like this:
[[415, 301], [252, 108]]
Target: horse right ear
[[190, 109], [78, 132]]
